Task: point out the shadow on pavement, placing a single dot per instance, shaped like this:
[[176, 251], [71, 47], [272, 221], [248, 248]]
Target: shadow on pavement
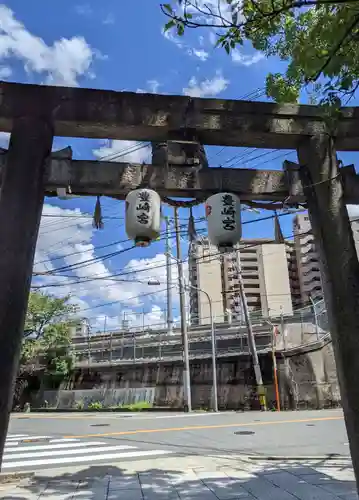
[[198, 449], [225, 481]]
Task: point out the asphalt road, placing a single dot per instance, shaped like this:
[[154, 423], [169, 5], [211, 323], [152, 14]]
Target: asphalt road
[[306, 433]]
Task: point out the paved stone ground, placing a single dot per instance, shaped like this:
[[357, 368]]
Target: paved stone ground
[[192, 478]]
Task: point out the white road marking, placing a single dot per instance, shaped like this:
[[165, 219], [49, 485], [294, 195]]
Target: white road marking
[[94, 458], [66, 440], [26, 438], [53, 447], [17, 435], [84, 451], [16, 443]]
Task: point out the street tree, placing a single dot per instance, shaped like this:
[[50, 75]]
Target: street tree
[[44, 310], [316, 38], [46, 344]]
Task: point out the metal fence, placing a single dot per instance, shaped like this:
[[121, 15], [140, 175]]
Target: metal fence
[[156, 344]]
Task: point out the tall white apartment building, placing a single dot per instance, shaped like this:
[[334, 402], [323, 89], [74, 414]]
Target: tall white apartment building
[[264, 273], [307, 262]]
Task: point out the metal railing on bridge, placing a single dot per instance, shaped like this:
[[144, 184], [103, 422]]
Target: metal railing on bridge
[[156, 344]]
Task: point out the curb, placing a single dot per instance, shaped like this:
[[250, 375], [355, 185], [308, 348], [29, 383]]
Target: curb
[[102, 410], [298, 457]]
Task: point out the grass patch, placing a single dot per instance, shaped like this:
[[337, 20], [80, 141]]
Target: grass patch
[[140, 405]]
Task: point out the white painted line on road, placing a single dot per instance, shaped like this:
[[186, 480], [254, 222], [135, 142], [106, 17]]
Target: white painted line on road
[[53, 447], [84, 451], [14, 440], [16, 436], [61, 440], [10, 439], [26, 438], [95, 458], [191, 415]]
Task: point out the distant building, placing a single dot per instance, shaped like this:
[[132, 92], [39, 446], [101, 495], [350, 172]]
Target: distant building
[[307, 278], [278, 275], [80, 328], [264, 273]]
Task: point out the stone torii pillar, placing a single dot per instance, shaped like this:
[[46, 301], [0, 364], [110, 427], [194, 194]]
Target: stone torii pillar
[[21, 202], [324, 192]]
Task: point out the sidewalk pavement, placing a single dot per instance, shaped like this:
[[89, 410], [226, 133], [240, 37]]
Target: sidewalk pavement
[[192, 478]]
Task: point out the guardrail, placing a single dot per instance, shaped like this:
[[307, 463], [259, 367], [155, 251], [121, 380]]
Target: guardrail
[[139, 346]]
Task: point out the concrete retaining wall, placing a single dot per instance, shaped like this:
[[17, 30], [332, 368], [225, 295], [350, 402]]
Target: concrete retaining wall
[[64, 399], [312, 379]]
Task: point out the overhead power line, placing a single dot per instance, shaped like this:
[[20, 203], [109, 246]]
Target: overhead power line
[[80, 252], [213, 257], [125, 300], [52, 272]]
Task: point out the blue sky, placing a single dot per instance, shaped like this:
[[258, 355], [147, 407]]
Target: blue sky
[[120, 46]]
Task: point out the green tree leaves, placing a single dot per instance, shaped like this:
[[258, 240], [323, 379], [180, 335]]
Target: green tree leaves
[[317, 38], [43, 310], [47, 336]]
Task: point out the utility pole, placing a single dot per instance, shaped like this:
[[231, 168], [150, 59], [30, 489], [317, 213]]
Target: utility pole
[[287, 375], [169, 278], [21, 202], [88, 349], [111, 349], [251, 339], [324, 192], [275, 371], [186, 367]]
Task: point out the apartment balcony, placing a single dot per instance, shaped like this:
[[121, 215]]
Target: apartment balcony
[[250, 281], [249, 274]]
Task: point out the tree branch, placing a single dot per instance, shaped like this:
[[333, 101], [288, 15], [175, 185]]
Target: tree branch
[[337, 47], [189, 23]]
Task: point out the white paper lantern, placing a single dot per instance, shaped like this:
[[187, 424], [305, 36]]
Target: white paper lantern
[[143, 216], [223, 212]]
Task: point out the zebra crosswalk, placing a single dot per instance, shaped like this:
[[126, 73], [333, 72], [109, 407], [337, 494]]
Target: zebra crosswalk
[[24, 452]]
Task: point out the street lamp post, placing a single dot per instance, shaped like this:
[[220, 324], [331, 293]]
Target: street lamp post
[[213, 346], [213, 338], [315, 316]]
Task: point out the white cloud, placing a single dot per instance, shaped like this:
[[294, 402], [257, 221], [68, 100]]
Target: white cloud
[[200, 53], [83, 10], [170, 36], [246, 59], [124, 151], [353, 210], [212, 38], [152, 87], [207, 87], [135, 320], [4, 139], [5, 72], [109, 19], [62, 63], [204, 10], [191, 51], [65, 239], [86, 10]]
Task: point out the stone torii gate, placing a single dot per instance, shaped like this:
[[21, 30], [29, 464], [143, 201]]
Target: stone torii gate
[[35, 114]]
